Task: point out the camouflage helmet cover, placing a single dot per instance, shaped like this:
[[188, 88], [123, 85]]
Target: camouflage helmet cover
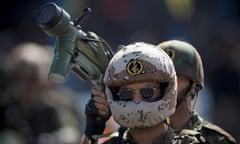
[[139, 64], [186, 59]]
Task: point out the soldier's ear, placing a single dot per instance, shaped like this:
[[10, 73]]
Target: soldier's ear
[[194, 89]]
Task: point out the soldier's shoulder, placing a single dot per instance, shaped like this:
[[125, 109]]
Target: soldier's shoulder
[[188, 136], [213, 129]]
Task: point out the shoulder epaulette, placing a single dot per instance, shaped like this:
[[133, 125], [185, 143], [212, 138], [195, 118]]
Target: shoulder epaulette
[[219, 130]]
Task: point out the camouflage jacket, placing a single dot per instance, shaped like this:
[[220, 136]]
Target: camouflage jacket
[[212, 133], [168, 138]]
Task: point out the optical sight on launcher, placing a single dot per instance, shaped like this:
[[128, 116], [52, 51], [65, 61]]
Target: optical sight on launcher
[[86, 54]]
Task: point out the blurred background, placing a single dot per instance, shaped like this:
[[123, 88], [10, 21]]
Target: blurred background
[[45, 112]]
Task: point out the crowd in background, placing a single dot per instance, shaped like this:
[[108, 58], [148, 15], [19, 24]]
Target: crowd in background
[[213, 27]]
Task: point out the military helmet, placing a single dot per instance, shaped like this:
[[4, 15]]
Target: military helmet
[[186, 59], [140, 62], [136, 63]]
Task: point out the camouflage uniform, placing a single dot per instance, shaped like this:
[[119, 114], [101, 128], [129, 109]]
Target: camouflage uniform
[[170, 137], [213, 133]]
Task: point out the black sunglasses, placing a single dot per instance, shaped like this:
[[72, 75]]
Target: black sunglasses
[[147, 93]]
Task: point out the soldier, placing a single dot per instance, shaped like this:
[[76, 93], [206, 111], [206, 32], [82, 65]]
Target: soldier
[[141, 90], [190, 75]]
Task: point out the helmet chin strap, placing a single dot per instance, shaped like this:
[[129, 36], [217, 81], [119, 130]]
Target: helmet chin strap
[[191, 91], [195, 100], [195, 88]]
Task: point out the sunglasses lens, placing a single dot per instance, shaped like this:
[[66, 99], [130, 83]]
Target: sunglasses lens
[[126, 94], [147, 92]]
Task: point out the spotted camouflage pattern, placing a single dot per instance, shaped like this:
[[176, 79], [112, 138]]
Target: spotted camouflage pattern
[[154, 63], [213, 133], [169, 137]]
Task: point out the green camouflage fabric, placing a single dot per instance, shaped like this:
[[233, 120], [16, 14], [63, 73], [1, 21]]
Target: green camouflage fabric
[[186, 59], [213, 133], [183, 137]]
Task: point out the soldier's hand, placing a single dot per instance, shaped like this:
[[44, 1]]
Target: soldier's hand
[[100, 102], [97, 113]]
